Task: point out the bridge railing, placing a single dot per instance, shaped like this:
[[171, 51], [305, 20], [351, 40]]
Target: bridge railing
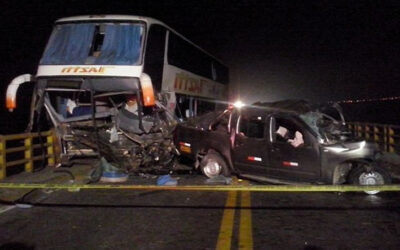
[[386, 136], [31, 146], [25, 149]]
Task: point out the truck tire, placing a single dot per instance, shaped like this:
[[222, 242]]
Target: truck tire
[[369, 175], [213, 165]]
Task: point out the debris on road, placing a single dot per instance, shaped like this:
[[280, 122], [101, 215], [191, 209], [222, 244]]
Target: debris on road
[[220, 179], [167, 180], [111, 173]]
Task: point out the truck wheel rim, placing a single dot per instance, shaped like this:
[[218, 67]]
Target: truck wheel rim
[[212, 168], [371, 178]]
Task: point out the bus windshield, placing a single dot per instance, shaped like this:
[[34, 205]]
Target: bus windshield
[[94, 44]]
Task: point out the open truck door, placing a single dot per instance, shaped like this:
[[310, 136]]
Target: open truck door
[[250, 147]]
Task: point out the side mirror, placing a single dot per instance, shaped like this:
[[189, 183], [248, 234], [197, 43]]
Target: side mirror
[[11, 96], [147, 90]]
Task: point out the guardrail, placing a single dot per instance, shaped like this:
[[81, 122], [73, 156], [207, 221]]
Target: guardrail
[[386, 136], [11, 144]]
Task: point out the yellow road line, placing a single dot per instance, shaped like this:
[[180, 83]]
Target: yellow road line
[[226, 229], [246, 228], [223, 188]]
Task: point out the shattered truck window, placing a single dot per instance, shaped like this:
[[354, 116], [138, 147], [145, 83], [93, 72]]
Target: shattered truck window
[[94, 44], [252, 127]]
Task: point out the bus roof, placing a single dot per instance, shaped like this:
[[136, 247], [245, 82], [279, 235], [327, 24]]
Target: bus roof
[[148, 20], [109, 17]]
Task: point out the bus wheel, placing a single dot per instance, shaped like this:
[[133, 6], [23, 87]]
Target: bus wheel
[[362, 175], [213, 165]]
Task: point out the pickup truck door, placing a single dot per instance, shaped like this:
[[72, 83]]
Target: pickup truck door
[[250, 147], [296, 163]]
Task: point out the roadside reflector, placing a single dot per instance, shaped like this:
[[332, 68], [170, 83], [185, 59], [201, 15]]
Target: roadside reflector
[[253, 158], [290, 164]]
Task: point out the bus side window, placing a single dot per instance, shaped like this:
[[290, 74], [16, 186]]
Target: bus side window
[[154, 57]]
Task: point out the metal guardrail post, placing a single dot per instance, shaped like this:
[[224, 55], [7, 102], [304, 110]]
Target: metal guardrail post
[[28, 154], [2, 157], [50, 150]]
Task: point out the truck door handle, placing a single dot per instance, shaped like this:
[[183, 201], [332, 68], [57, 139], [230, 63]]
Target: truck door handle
[[274, 149]]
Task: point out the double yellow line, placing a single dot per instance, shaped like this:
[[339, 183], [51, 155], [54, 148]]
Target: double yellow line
[[245, 228]]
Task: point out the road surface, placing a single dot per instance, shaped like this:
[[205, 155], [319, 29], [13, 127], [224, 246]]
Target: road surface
[[126, 219]]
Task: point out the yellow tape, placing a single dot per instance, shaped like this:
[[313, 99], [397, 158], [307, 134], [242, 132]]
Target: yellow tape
[[223, 188]]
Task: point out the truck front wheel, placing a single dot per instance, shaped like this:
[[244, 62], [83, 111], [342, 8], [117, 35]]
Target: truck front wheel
[[213, 165], [366, 175]]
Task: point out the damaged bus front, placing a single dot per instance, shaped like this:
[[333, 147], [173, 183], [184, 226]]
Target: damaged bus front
[[92, 85]]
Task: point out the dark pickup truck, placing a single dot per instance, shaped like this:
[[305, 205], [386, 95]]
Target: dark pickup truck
[[283, 142]]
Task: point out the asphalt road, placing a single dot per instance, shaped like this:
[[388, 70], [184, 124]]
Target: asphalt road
[[123, 219]]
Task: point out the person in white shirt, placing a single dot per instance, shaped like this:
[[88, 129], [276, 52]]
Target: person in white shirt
[[296, 141]]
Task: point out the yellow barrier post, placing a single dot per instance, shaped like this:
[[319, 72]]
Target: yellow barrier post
[[385, 138], [376, 134], [2, 157], [28, 154], [391, 140], [50, 150], [56, 146], [358, 130], [367, 132]]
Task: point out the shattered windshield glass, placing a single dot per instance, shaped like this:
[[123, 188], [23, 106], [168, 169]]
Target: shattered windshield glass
[[94, 44], [327, 123]]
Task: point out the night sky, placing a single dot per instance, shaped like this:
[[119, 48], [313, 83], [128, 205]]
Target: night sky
[[320, 50]]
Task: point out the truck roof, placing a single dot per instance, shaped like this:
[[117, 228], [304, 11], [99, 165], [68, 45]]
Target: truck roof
[[291, 105]]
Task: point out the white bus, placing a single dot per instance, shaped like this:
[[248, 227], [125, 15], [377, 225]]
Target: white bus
[[93, 65], [128, 46]]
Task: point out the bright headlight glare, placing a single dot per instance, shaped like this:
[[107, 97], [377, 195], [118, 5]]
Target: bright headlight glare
[[238, 104]]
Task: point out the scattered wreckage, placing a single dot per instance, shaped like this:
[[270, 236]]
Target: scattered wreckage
[[93, 121], [285, 142]]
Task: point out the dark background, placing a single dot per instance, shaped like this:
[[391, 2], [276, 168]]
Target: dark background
[[318, 50]]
